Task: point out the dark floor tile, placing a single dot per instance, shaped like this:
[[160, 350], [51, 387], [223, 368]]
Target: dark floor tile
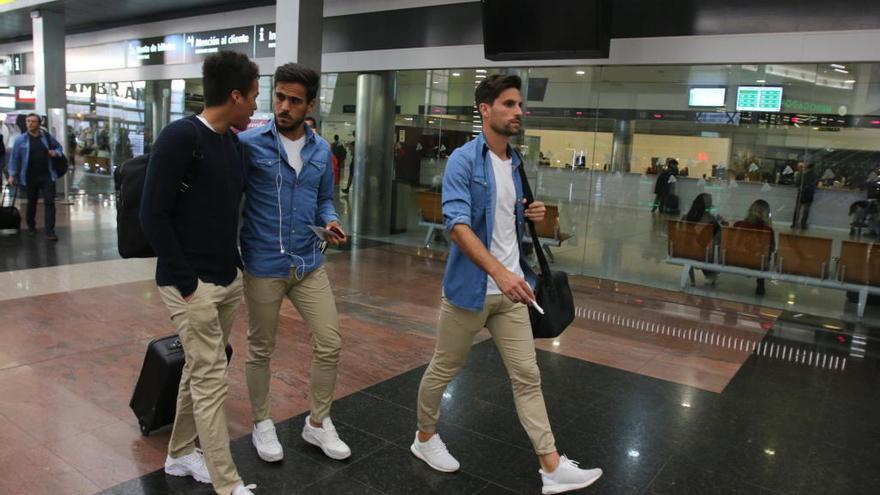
[[362, 444], [832, 470], [377, 417], [630, 449], [338, 484], [158, 483], [493, 489], [680, 478], [395, 470], [511, 467]]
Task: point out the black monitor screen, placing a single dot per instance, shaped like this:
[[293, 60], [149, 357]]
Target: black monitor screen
[[549, 29]]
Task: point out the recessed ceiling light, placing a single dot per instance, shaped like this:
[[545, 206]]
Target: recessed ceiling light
[[456, 74], [850, 81], [580, 72], [436, 82], [761, 81], [842, 71], [480, 71], [838, 66]]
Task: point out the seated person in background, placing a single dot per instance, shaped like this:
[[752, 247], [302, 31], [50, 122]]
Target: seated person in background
[[758, 218], [701, 212]]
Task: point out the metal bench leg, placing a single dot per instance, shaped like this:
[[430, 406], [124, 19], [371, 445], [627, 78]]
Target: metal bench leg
[[685, 273], [863, 301], [549, 254], [429, 237]]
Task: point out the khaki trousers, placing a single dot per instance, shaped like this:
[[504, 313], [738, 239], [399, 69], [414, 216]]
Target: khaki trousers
[[313, 298], [204, 324], [508, 322]]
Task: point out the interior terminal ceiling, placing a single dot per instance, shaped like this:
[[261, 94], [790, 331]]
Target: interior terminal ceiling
[[92, 15]]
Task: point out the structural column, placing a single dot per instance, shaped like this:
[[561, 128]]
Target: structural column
[[299, 28], [49, 70], [621, 150], [373, 153]]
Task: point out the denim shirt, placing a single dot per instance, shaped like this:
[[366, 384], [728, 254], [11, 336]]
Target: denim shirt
[[20, 158], [281, 204], [469, 198]]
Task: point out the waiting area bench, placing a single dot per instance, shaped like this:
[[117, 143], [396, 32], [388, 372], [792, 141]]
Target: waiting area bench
[[431, 215], [796, 258], [549, 233]]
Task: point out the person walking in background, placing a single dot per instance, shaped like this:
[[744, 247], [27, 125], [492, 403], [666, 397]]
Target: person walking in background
[[350, 166], [339, 155], [806, 182], [661, 189], [758, 218], [191, 220], [31, 166]]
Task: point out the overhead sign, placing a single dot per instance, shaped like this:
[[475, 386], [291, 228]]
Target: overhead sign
[[758, 99], [155, 51], [200, 45], [265, 40]]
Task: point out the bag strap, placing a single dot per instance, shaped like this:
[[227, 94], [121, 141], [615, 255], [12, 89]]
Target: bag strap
[[197, 154], [527, 192]]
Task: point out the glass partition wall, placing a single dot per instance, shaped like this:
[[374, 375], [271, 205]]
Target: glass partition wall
[[606, 146]]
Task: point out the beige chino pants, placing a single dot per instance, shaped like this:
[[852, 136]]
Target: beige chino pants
[[313, 298], [508, 322], [204, 323]]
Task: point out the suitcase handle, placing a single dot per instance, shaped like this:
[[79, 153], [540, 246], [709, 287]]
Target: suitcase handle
[[174, 345], [14, 194]]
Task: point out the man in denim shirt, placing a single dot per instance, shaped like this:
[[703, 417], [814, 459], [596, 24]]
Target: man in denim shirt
[[488, 284], [290, 188]]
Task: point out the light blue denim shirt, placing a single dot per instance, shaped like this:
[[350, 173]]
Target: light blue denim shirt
[[21, 153], [469, 198], [281, 204]]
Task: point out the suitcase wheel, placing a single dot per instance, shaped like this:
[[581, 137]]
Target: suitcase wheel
[[144, 430]]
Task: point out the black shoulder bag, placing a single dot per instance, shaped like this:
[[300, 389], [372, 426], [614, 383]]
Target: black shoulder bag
[[552, 292]]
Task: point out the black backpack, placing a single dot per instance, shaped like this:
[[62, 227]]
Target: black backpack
[[129, 181]]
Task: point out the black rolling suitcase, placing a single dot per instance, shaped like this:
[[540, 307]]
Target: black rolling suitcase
[[154, 400], [10, 217]]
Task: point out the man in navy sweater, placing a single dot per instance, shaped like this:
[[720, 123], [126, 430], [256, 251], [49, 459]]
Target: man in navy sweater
[[189, 213]]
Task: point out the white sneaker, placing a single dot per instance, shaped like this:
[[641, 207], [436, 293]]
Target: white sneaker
[[567, 477], [192, 464], [326, 438], [244, 490], [434, 453], [266, 441]]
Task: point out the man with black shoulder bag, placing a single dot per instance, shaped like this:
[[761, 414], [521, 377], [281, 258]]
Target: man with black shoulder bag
[[488, 283]]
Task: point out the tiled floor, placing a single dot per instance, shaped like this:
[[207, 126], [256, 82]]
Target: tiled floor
[[776, 429], [669, 392]]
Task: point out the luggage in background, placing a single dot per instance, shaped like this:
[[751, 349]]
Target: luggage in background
[[154, 400], [10, 217]]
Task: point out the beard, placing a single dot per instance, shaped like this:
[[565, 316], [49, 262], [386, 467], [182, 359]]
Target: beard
[[508, 130], [294, 123]]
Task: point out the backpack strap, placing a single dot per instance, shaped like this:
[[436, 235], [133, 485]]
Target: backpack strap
[[197, 155]]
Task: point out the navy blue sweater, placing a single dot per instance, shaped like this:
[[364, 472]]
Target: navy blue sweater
[[194, 233]]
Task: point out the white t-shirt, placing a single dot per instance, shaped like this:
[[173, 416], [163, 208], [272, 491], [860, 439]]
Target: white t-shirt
[[504, 246], [294, 151], [205, 121]]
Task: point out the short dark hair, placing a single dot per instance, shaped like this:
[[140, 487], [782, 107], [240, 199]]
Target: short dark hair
[[224, 72], [312, 119], [39, 119], [336, 137], [298, 73], [492, 86]]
